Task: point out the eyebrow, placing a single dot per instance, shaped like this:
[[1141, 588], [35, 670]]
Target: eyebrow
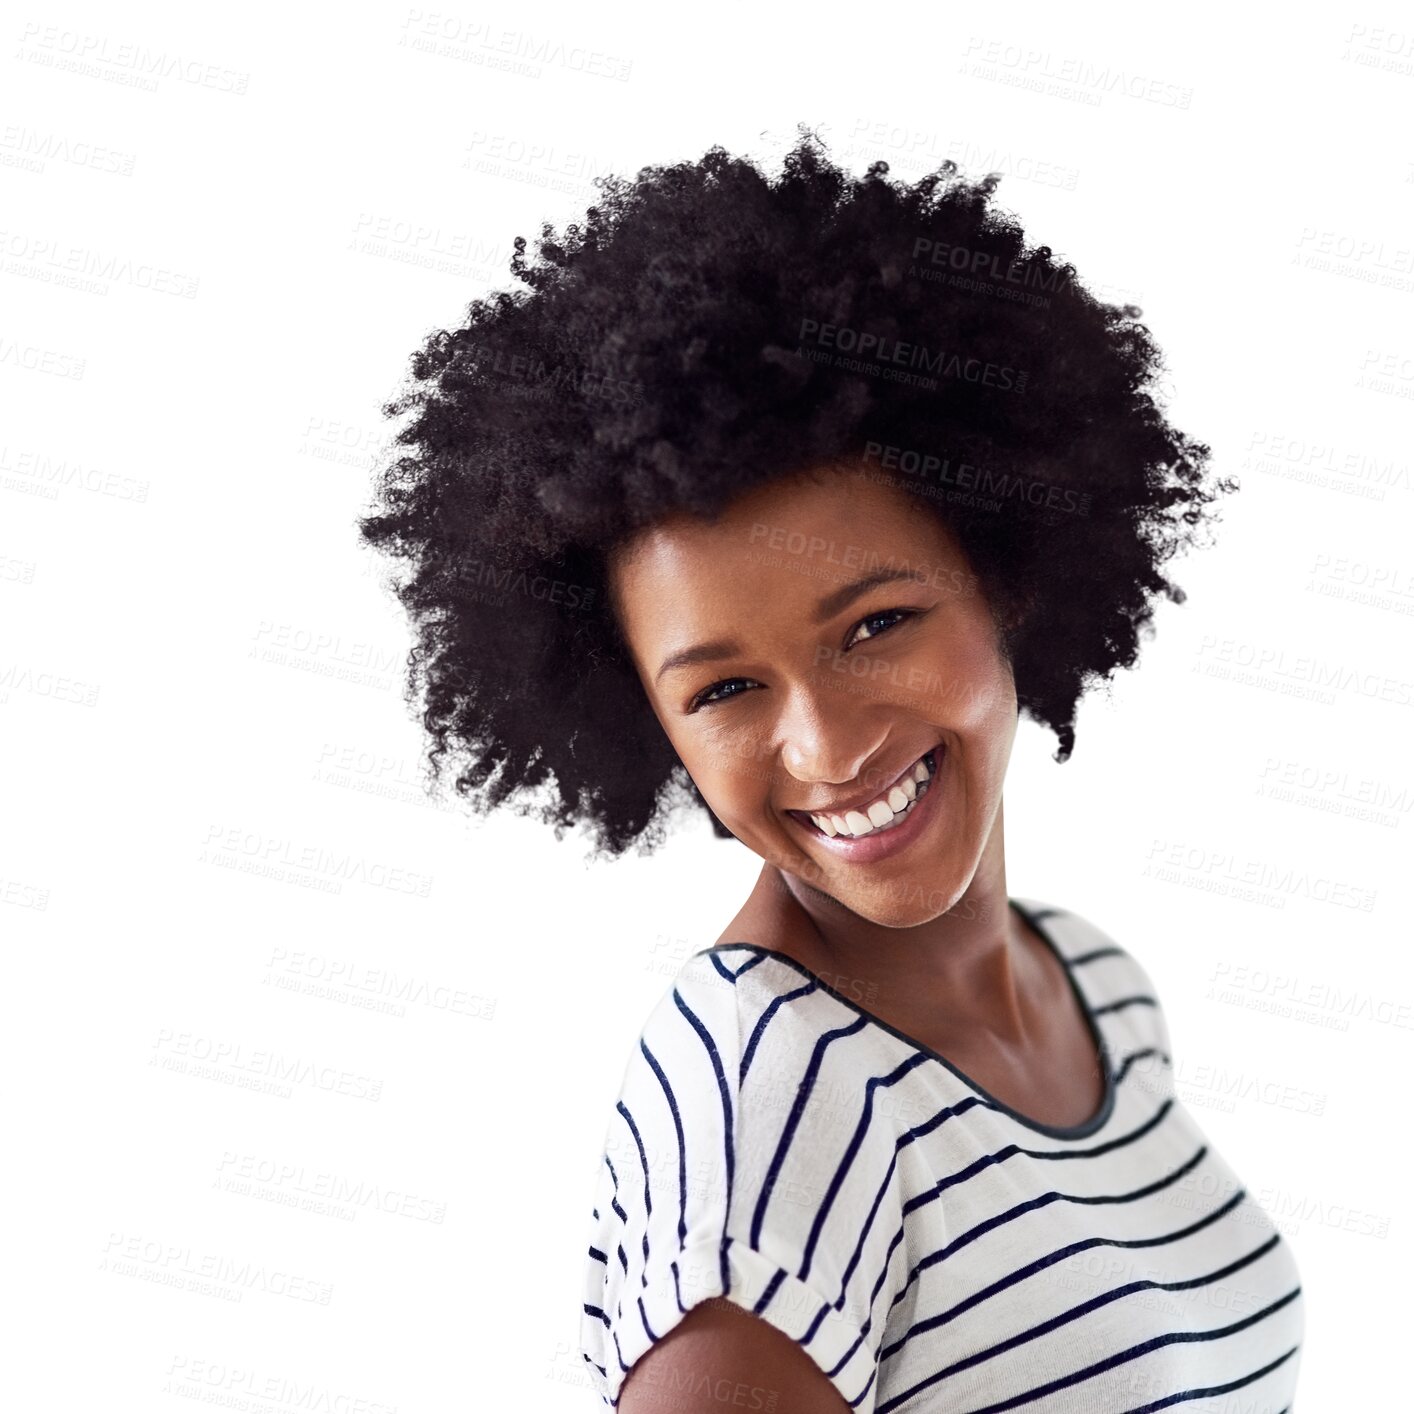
[[827, 608]]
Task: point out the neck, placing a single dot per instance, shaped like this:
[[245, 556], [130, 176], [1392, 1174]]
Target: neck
[[964, 969]]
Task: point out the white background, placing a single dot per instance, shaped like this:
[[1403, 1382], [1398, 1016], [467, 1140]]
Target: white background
[[224, 232]]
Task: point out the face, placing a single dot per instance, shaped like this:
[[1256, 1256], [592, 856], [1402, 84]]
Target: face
[[815, 655]]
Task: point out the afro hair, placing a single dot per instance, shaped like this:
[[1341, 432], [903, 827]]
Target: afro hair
[[706, 329]]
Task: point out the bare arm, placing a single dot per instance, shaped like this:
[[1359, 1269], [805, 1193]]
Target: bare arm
[[721, 1356]]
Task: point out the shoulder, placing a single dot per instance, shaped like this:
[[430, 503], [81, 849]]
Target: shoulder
[[690, 1037], [1116, 984], [677, 1101], [744, 1076], [712, 1183], [1087, 946]]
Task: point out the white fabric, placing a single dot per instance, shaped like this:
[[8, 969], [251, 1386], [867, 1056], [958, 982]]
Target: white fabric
[[929, 1248]]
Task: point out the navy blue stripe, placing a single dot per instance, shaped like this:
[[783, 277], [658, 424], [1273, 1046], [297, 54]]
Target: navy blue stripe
[[1108, 1007], [728, 1122], [1119, 1358], [666, 1086], [723, 969], [1060, 1254], [856, 1140], [759, 1030], [754, 961], [1140, 1055], [912, 1136], [1000, 1155], [1170, 1399], [647, 1187], [1080, 959], [614, 1201], [797, 1109], [1044, 1200], [1084, 1308]]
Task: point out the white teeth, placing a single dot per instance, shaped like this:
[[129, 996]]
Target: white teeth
[[881, 813]]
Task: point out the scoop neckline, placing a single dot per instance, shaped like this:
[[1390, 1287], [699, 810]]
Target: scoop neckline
[[1058, 1131]]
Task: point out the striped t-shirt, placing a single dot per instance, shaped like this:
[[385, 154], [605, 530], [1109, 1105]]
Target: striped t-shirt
[[930, 1248]]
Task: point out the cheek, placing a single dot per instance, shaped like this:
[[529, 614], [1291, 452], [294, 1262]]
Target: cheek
[[993, 703], [733, 762], [729, 766], [976, 694]]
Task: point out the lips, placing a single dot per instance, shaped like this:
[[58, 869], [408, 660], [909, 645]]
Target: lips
[[930, 758], [898, 835]]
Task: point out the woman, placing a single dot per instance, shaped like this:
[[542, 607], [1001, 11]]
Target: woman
[[822, 482]]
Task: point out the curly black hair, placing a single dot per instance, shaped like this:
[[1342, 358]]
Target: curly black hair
[[706, 329]]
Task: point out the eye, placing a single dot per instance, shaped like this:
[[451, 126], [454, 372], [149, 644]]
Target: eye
[[708, 696], [897, 615]]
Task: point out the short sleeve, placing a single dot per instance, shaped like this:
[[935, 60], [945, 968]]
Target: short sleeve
[[677, 1217]]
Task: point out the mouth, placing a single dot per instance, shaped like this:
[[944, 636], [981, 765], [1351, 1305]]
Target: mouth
[[890, 823]]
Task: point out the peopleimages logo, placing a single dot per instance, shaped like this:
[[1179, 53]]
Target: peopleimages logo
[[1003, 486], [989, 265], [880, 348]]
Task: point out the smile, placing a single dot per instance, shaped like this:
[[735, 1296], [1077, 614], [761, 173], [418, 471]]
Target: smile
[[886, 824]]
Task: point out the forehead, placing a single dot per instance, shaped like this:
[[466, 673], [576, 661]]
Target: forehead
[[781, 545], [839, 518]]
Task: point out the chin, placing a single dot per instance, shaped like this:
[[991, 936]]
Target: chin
[[903, 905]]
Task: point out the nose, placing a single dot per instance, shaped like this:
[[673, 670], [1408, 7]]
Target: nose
[[817, 752]]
